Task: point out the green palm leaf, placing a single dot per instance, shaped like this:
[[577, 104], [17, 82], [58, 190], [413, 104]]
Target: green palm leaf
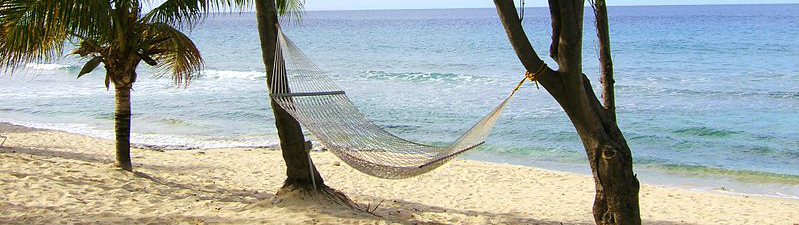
[[186, 13], [35, 31], [290, 8], [175, 52]]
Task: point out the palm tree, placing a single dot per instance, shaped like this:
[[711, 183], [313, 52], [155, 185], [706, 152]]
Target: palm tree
[[114, 33], [301, 174], [292, 142]]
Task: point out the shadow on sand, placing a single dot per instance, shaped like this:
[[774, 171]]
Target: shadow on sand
[[396, 211]]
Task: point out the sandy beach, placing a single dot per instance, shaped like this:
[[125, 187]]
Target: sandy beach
[[54, 177]]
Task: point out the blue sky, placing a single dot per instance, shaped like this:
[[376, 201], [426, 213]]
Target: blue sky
[[427, 4]]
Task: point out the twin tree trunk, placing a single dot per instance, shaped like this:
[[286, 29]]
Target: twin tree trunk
[[616, 200], [292, 141]]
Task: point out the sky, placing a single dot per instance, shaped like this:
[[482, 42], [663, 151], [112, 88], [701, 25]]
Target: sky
[[428, 4]]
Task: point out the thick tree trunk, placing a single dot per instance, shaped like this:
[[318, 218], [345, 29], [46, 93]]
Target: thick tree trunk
[[122, 115], [292, 141], [616, 200]]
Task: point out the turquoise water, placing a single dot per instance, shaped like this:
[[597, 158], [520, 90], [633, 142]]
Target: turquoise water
[[707, 95]]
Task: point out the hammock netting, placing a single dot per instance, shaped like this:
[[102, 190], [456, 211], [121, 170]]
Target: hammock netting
[[321, 107]]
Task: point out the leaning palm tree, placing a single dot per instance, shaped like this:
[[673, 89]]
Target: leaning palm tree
[[301, 174], [114, 33]]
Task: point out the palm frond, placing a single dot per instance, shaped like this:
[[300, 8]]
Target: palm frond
[[175, 53], [290, 9], [186, 13], [90, 66], [35, 31]]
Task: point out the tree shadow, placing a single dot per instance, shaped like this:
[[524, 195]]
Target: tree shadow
[[11, 128], [95, 158], [406, 211], [400, 211], [66, 216], [393, 210], [87, 157]]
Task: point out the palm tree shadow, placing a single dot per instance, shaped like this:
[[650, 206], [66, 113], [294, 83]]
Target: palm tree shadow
[[86, 157], [101, 159], [208, 191], [95, 158], [254, 201], [407, 211], [90, 217], [400, 211]]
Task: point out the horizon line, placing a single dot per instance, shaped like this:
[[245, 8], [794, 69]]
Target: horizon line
[[609, 6]]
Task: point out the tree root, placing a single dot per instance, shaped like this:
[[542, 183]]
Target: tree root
[[322, 195]]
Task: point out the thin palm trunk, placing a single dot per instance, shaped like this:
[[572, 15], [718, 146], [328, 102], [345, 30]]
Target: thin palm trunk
[[122, 116], [292, 141]]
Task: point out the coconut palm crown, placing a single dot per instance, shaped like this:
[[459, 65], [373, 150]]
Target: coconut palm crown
[[114, 33]]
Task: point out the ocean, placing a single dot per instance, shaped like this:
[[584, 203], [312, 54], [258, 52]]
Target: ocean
[[707, 95]]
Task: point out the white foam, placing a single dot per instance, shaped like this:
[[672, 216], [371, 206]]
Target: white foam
[[230, 74], [46, 66], [187, 141]]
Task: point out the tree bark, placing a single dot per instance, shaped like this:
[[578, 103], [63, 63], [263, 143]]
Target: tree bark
[[605, 59], [616, 200], [122, 116], [121, 71], [292, 141]]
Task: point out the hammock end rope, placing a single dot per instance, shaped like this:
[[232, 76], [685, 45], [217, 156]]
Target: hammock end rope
[[532, 76]]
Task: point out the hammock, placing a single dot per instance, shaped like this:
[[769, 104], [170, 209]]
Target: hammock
[[314, 100]]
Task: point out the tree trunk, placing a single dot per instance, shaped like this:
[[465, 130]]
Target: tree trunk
[[605, 59], [292, 141], [122, 115], [616, 200]]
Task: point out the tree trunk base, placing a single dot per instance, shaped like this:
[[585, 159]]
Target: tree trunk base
[[322, 195], [124, 166], [322, 200]]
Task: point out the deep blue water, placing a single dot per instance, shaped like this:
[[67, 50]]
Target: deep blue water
[[702, 91]]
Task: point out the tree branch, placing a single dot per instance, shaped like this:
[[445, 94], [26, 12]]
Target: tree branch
[[513, 26], [570, 39], [605, 60], [554, 12]]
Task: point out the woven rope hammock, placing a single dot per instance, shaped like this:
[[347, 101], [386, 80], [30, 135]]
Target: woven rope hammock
[[321, 107]]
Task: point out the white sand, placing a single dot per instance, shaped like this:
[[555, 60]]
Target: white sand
[[49, 177]]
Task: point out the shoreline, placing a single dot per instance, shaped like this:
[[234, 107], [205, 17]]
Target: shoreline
[[54, 176], [721, 183], [710, 182]]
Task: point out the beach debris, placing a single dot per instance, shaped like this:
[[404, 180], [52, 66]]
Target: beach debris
[[162, 148], [371, 210], [4, 140], [720, 188], [337, 163]]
